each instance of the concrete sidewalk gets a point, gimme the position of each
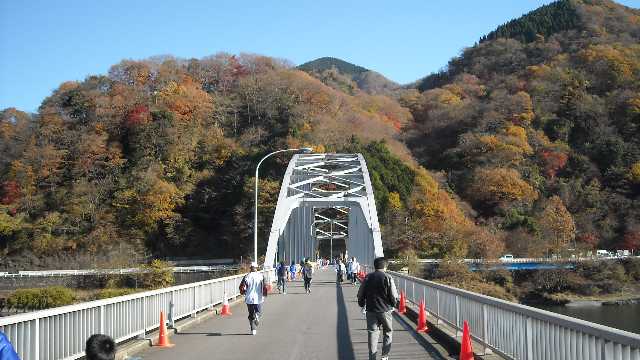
(326, 324)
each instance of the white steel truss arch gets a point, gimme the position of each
(321, 181)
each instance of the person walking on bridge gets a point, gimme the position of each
(293, 270)
(254, 291)
(355, 269)
(340, 270)
(282, 271)
(378, 293)
(307, 275)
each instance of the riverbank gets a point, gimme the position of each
(629, 294)
(605, 283)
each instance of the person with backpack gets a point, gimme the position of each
(282, 271)
(379, 295)
(307, 275)
(254, 289)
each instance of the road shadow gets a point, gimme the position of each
(345, 346)
(430, 349)
(212, 334)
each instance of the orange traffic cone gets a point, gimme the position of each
(163, 339)
(466, 352)
(225, 306)
(402, 308)
(422, 318)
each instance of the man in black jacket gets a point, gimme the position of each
(378, 293)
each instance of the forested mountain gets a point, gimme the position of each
(541, 134)
(349, 78)
(544, 21)
(529, 144)
(157, 156)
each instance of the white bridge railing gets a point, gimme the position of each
(177, 269)
(516, 331)
(61, 333)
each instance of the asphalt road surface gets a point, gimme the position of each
(326, 324)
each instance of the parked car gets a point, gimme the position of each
(506, 257)
(623, 253)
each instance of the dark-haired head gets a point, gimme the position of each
(380, 263)
(100, 347)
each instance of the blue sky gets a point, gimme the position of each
(43, 43)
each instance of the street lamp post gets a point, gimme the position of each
(255, 217)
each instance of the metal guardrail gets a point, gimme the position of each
(529, 260)
(517, 331)
(61, 333)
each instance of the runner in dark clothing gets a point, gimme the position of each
(282, 277)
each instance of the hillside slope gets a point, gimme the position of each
(542, 133)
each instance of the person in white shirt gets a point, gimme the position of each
(341, 270)
(355, 268)
(254, 283)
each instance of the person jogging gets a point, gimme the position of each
(292, 270)
(378, 293)
(307, 275)
(253, 284)
(282, 271)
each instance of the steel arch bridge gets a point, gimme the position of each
(325, 197)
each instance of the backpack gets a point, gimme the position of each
(282, 271)
(243, 286)
(308, 271)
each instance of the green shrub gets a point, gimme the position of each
(109, 293)
(157, 274)
(607, 277)
(38, 299)
(632, 268)
(550, 281)
(499, 277)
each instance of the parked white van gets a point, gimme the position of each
(506, 257)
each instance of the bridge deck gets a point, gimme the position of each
(326, 324)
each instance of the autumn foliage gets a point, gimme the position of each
(526, 142)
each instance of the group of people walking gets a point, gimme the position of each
(350, 269)
(286, 273)
(377, 296)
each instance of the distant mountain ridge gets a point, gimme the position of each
(348, 77)
(326, 63)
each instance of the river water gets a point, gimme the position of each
(624, 317)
